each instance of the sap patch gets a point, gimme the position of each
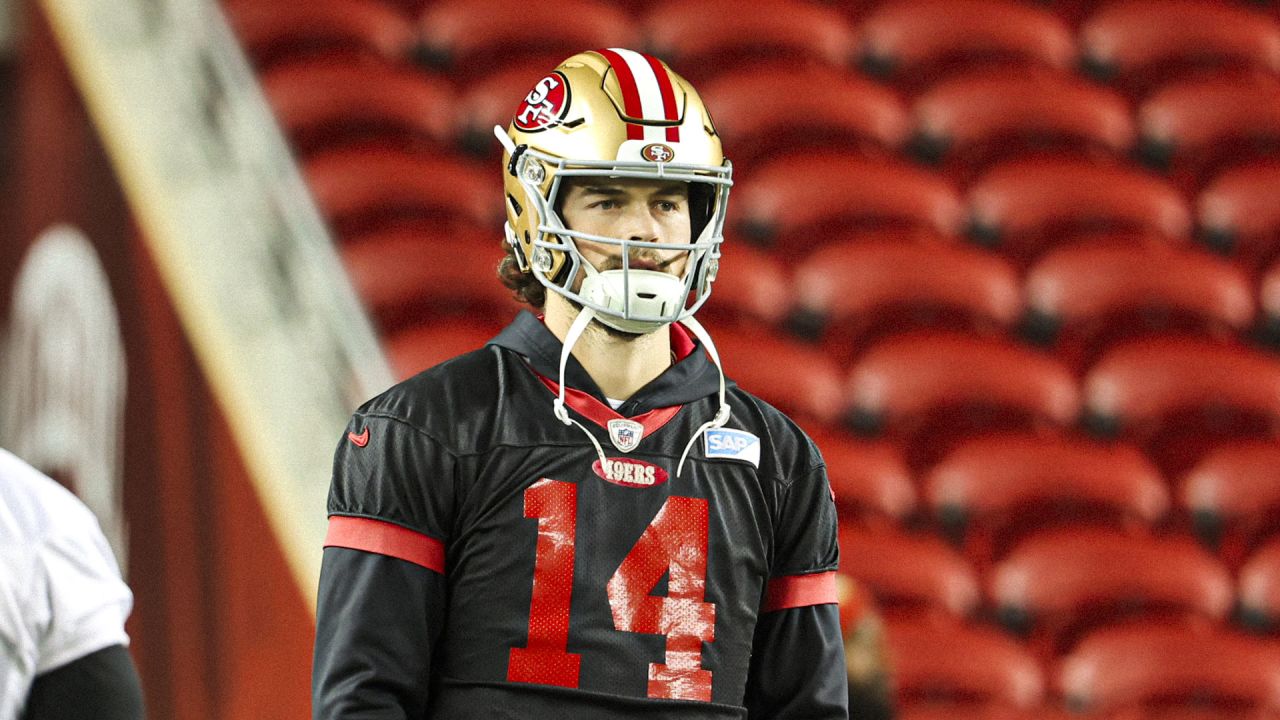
(732, 445)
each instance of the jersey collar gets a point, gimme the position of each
(691, 378)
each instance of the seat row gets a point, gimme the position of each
(945, 668)
(1135, 44)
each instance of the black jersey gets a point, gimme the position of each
(483, 562)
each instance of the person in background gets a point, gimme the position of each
(866, 654)
(63, 607)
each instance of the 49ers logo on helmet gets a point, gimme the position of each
(545, 105)
(657, 152)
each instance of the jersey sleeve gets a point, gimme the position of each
(800, 615)
(805, 553)
(382, 594)
(392, 492)
(86, 603)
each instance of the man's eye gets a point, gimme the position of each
(606, 204)
(668, 206)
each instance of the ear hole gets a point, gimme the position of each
(515, 205)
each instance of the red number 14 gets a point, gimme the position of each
(675, 544)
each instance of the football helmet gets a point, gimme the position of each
(621, 114)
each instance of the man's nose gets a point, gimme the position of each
(640, 224)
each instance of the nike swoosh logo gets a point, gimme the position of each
(360, 440)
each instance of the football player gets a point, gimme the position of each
(62, 607)
(585, 519)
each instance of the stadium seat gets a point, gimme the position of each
(751, 288)
(415, 349)
(1178, 397)
(1087, 296)
(325, 104)
(798, 202)
(1144, 664)
(1139, 44)
(908, 574)
(1260, 587)
(410, 277)
(972, 121)
(870, 479)
(931, 390)
(356, 30)
(1233, 495)
(940, 658)
(1196, 129)
(471, 38)
(851, 294)
(1059, 583)
(1024, 206)
(752, 356)
(683, 33)
(913, 43)
(1238, 214)
(992, 491)
(768, 111)
(360, 191)
(994, 710)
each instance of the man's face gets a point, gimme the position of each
(629, 209)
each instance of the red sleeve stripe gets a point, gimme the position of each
(795, 591)
(384, 538)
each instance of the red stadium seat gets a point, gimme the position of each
(916, 42)
(1197, 128)
(1023, 206)
(1189, 711)
(1059, 583)
(1239, 216)
(941, 659)
(1233, 494)
(1260, 586)
(994, 490)
(472, 37)
(416, 349)
(970, 122)
(1178, 397)
(363, 30)
(765, 112)
(851, 294)
(697, 35)
(927, 710)
(751, 288)
(753, 357)
(326, 104)
(1139, 44)
(363, 190)
(1087, 296)
(408, 277)
(1155, 664)
(870, 480)
(797, 202)
(908, 573)
(933, 390)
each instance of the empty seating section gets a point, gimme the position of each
(915, 43)
(1014, 265)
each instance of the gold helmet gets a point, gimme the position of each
(621, 114)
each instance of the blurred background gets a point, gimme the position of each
(1012, 263)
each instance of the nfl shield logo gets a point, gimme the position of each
(625, 434)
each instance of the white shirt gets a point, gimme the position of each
(61, 596)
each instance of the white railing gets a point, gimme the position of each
(243, 252)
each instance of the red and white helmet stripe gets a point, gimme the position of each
(647, 93)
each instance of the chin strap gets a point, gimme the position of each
(722, 414)
(570, 339)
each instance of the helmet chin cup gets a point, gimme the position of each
(621, 294)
